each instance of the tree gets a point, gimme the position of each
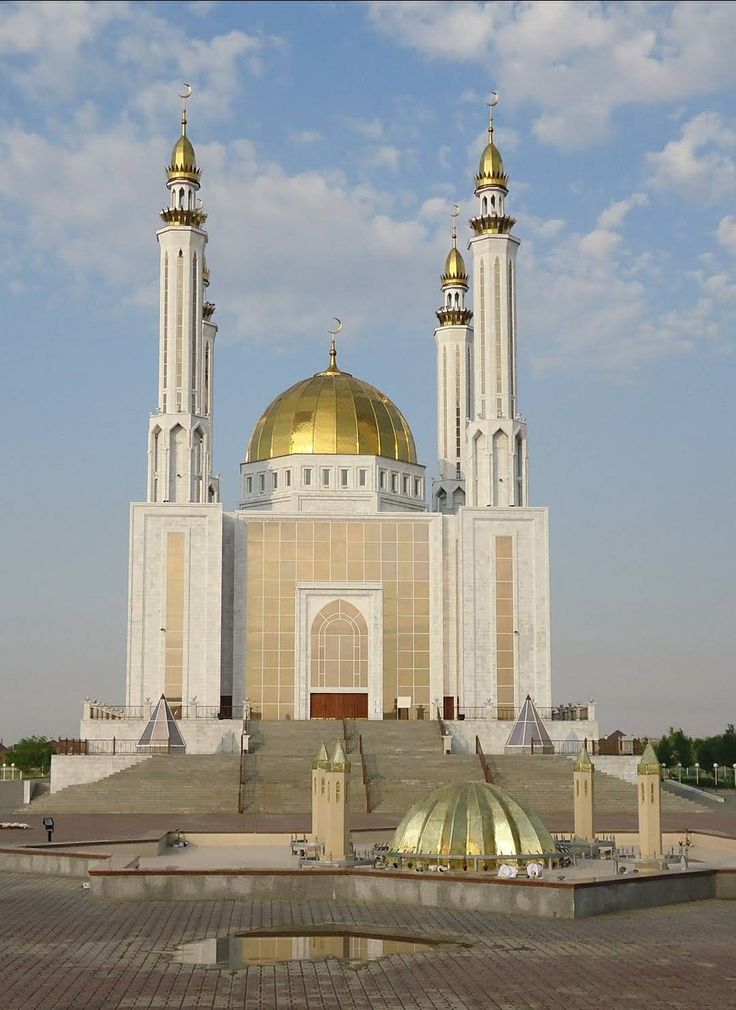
(32, 753)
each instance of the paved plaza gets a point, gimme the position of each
(63, 949)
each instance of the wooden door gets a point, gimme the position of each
(448, 707)
(338, 706)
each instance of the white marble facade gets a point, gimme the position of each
(452, 603)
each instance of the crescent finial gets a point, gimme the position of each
(184, 96)
(333, 346)
(492, 102)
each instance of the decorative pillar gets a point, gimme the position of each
(582, 775)
(319, 765)
(332, 803)
(649, 786)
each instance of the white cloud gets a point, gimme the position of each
(306, 136)
(726, 232)
(700, 163)
(370, 128)
(591, 301)
(385, 156)
(577, 62)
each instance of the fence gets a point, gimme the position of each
(508, 713)
(712, 777)
(112, 746)
(120, 712)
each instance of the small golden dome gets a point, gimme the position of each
(473, 819)
(332, 412)
(455, 272)
(490, 170)
(183, 160)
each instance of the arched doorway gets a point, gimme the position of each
(338, 675)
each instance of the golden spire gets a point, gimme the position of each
(490, 170)
(455, 273)
(183, 159)
(333, 346)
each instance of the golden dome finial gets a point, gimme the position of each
(455, 273)
(491, 171)
(333, 345)
(183, 159)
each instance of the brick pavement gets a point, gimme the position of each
(63, 949)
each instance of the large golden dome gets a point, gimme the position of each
(332, 412)
(473, 819)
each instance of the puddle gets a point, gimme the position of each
(236, 952)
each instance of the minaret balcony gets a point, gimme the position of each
(454, 317)
(183, 217)
(492, 224)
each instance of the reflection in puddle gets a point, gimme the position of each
(243, 951)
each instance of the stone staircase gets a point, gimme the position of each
(181, 783)
(278, 771)
(404, 762)
(545, 783)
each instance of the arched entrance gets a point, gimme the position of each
(338, 675)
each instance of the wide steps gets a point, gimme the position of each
(190, 783)
(544, 782)
(278, 771)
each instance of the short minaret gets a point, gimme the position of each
(454, 340)
(582, 775)
(497, 454)
(319, 767)
(330, 821)
(649, 787)
(180, 431)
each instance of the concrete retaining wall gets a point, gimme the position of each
(544, 899)
(45, 861)
(202, 736)
(76, 769)
(621, 766)
(494, 734)
(15, 793)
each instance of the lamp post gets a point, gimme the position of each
(679, 771)
(715, 773)
(697, 773)
(734, 775)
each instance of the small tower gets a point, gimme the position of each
(649, 787)
(330, 823)
(319, 766)
(180, 430)
(497, 454)
(582, 776)
(454, 340)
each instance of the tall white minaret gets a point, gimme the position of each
(497, 453)
(454, 340)
(180, 431)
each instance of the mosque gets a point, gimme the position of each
(335, 590)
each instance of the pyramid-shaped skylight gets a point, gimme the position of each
(529, 735)
(162, 732)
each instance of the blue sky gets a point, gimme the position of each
(335, 138)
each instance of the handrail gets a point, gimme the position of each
(440, 720)
(484, 763)
(241, 777)
(365, 773)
